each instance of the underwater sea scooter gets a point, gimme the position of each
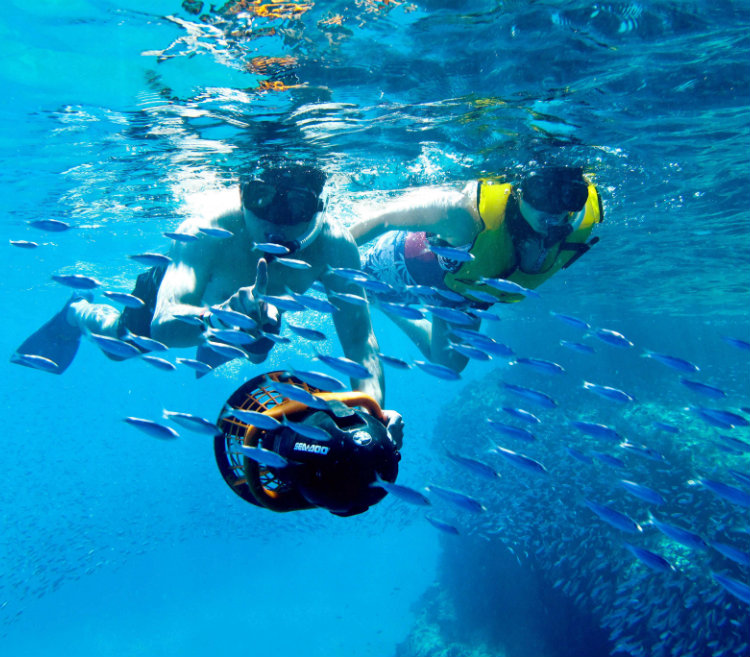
(287, 455)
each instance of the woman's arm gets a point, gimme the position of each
(449, 213)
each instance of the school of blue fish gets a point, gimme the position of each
(653, 518)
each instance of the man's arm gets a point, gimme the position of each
(181, 292)
(352, 322)
(448, 212)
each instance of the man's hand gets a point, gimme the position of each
(395, 427)
(247, 300)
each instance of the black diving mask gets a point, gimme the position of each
(280, 204)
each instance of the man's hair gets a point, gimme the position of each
(555, 189)
(286, 175)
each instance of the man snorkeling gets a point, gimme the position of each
(276, 236)
(475, 244)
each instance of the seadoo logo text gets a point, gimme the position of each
(314, 449)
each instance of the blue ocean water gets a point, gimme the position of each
(119, 114)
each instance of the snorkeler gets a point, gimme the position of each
(484, 242)
(274, 238)
(286, 455)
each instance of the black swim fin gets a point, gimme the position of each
(56, 341)
(209, 357)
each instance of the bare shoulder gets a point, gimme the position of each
(337, 246)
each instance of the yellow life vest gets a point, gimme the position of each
(494, 251)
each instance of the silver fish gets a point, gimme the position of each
(125, 299)
(197, 365)
(609, 459)
(480, 295)
(233, 318)
(736, 342)
(231, 336)
(51, 225)
(264, 456)
(152, 428)
(349, 274)
(521, 461)
(613, 338)
(613, 394)
(739, 445)
(480, 313)
(219, 233)
(730, 552)
(742, 477)
(450, 295)
(509, 287)
(190, 320)
(307, 333)
(703, 389)
(254, 418)
(614, 518)
(669, 428)
(298, 394)
(451, 315)
(682, 536)
(541, 366)
(580, 456)
(37, 362)
(24, 244)
(577, 346)
(451, 253)
(457, 499)
(394, 362)
(115, 347)
(345, 297)
(440, 371)
(378, 287)
(293, 263)
(650, 559)
(539, 398)
(151, 259)
(314, 303)
(643, 450)
(76, 281)
(273, 337)
(481, 341)
(405, 493)
(442, 525)
(271, 248)
(726, 492)
(738, 589)
(643, 492)
(513, 432)
(521, 414)
(679, 364)
(319, 380)
(473, 465)
(597, 430)
(721, 418)
(284, 302)
(469, 351)
(345, 366)
(192, 422)
(226, 350)
(401, 310)
(307, 430)
(181, 237)
(159, 363)
(571, 321)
